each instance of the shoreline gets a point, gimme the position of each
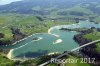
(25, 38)
(35, 34)
(24, 58)
(49, 32)
(9, 55)
(52, 53)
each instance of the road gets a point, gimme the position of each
(87, 44)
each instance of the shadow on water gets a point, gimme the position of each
(33, 54)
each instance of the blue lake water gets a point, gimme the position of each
(30, 48)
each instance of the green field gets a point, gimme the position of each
(28, 24)
(5, 61)
(94, 36)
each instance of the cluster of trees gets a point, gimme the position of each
(91, 52)
(79, 38)
(4, 43)
(88, 51)
(84, 31)
(98, 29)
(67, 19)
(1, 35)
(17, 34)
(40, 18)
(63, 13)
(76, 13)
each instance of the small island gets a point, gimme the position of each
(57, 41)
(37, 38)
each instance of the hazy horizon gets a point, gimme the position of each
(3, 2)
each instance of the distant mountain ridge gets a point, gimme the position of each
(25, 6)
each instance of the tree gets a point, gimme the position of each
(1, 35)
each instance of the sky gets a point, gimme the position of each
(3, 2)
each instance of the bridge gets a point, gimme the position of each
(87, 44)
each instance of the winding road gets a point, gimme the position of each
(87, 44)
